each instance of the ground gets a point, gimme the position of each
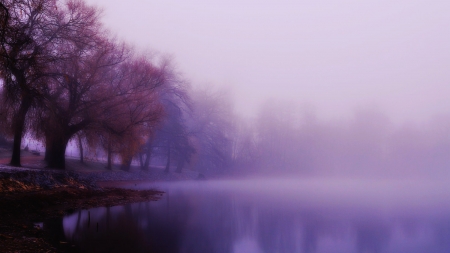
(19, 211)
(33, 194)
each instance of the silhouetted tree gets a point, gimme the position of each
(76, 100)
(47, 48)
(80, 144)
(132, 114)
(56, 55)
(28, 29)
(4, 20)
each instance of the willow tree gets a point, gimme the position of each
(28, 30)
(33, 43)
(75, 84)
(134, 110)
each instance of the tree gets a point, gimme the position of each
(76, 77)
(34, 42)
(118, 104)
(27, 29)
(133, 112)
(4, 19)
(212, 129)
(76, 97)
(244, 152)
(80, 145)
(171, 138)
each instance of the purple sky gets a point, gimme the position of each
(336, 56)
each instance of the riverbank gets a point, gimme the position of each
(24, 214)
(32, 196)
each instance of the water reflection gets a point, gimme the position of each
(270, 217)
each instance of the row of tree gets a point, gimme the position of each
(64, 77)
(285, 138)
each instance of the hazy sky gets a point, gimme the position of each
(337, 56)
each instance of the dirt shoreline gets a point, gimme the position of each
(31, 196)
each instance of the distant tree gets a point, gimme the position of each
(244, 145)
(171, 138)
(271, 124)
(278, 136)
(212, 129)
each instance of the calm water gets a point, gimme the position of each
(252, 216)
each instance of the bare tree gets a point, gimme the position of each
(76, 97)
(34, 41)
(212, 129)
(244, 146)
(27, 28)
(134, 110)
(171, 139)
(4, 19)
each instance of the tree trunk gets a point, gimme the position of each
(167, 170)
(180, 164)
(148, 155)
(19, 125)
(56, 152)
(141, 162)
(126, 164)
(47, 143)
(108, 165)
(80, 145)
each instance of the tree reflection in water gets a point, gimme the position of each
(216, 220)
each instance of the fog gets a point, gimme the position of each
(285, 139)
(368, 143)
(322, 88)
(336, 56)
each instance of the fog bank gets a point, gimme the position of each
(369, 143)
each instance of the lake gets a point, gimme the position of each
(272, 215)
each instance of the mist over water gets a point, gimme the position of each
(296, 183)
(299, 184)
(275, 215)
